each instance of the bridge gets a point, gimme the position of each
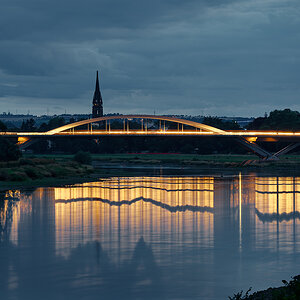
(183, 128)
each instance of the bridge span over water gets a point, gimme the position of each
(183, 128)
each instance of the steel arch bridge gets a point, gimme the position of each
(142, 117)
(184, 128)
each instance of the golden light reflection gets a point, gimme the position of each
(134, 207)
(277, 194)
(277, 210)
(14, 205)
(118, 211)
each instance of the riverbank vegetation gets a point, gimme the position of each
(29, 169)
(197, 162)
(290, 291)
(277, 120)
(288, 162)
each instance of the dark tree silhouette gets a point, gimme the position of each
(219, 123)
(28, 125)
(8, 150)
(277, 120)
(2, 126)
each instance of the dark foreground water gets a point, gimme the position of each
(202, 237)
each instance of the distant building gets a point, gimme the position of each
(97, 110)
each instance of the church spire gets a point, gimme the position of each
(97, 89)
(97, 110)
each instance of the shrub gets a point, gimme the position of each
(83, 158)
(241, 295)
(26, 161)
(18, 176)
(43, 161)
(31, 172)
(57, 170)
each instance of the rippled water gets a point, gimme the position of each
(202, 237)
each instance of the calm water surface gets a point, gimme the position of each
(198, 237)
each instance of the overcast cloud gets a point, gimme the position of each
(217, 57)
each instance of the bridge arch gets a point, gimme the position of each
(150, 117)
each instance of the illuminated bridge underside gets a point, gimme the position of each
(247, 138)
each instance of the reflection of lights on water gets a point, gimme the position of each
(118, 208)
(15, 204)
(75, 220)
(13, 194)
(277, 195)
(277, 209)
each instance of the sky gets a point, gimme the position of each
(194, 57)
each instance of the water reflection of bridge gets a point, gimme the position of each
(277, 196)
(176, 208)
(160, 208)
(93, 232)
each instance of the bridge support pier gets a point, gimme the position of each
(259, 151)
(287, 149)
(264, 154)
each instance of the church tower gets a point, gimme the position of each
(97, 101)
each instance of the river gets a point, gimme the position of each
(160, 237)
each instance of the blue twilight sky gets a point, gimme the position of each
(217, 57)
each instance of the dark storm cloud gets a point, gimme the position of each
(69, 19)
(217, 57)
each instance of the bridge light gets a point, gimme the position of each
(22, 140)
(251, 139)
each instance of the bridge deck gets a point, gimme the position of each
(245, 133)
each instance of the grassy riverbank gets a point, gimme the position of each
(53, 170)
(187, 159)
(40, 171)
(234, 161)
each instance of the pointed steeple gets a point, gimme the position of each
(97, 110)
(97, 89)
